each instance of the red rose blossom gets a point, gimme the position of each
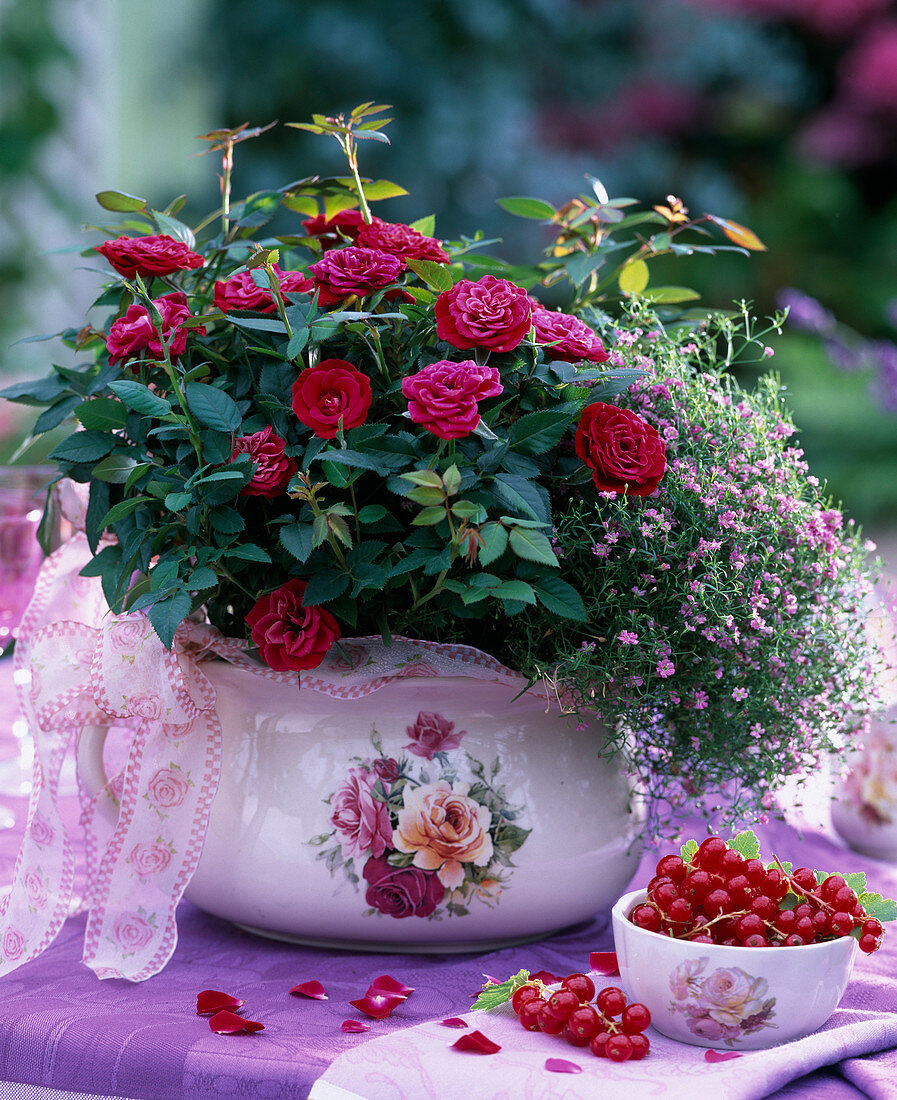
(135, 333)
(623, 451)
(401, 240)
(443, 396)
(240, 292)
(571, 339)
(291, 637)
(149, 256)
(332, 391)
(273, 469)
(490, 313)
(401, 891)
(352, 270)
(332, 232)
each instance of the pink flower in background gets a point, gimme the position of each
(488, 313)
(13, 944)
(443, 396)
(35, 889)
(148, 859)
(362, 823)
(401, 891)
(869, 71)
(131, 931)
(432, 733)
(168, 789)
(571, 340)
(273, 468)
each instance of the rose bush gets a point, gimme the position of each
(355, 428)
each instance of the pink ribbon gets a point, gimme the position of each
(76, 665)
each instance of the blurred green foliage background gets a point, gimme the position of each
(780, 114)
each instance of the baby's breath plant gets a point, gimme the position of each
(357, 429)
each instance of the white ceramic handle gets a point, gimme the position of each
(89, 755)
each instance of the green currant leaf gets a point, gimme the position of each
(747, 844)
(492, 995)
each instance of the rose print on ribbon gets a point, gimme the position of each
(131, 931)
(724, 1005)
(168, 788)
(431, 843)
(13, 944)
(34, 887)
(148, 859)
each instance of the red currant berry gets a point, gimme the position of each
(573, 1039)
(868, 944)
(723, 930)
(562, 1002)
(775, 885)
(530, 1014)
(764, 907)
(646, 916)
(672, 866)
(664, 896)
(522, 995)
(551, 1025)
(872, 926)
(618, 1048)
(755, 871)
(717, 902)
(803, 910)
(584, 1022)
(749, 925)
(786, 921)
(740, 891)
(831, 886)
(611, 1001)
(701, 937)
(696, 885)
(598, 1043)
(821, 923)
(732, 863)
(709, 855)
(657, 881)
(841, 924)
(804, 879)
(636, 1017)
(793, 941)
(581, 984)
(844, 899)
(756, 940)
(805, 929)
(680, 912)
(640, 1047)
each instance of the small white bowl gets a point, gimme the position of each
(729, 998)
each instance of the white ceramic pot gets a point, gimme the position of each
(435, 814)
(729, 998)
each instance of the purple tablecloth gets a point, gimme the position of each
(62, 1028)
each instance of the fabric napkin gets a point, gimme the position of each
(420, 1064)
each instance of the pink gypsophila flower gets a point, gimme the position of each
(571, 340)
(443, 396)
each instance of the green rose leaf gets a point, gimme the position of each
(213, 407)
(142, 400)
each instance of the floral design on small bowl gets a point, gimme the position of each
(722, 1006)
(429, 830)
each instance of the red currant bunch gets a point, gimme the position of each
(717, 895)
(609, 1026)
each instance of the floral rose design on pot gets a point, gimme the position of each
(722, 1006)
(425, 832)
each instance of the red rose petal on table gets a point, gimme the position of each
(386, 983)
(720, 1055)
(604, 962)
(454, 1021)
(477, 1042)
(229, 1023)
(311, 989)
(544, 976)
(561, 1065)
(354, 1027)
(213, 1000)
(377, 1004)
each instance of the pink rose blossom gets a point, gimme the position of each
(402, 241)
(13, 944)
(273, 468)
(359, 271)
(362, 823)
(443, 396)
(148, 859)
(131, 931)
(168, 789)
(432, 733)
(571, 340)
(135, 333)
(488, 313)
